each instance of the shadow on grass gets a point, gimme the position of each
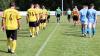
(3, 40)
(2, 51)
(23, 33)
(23, 36)
(71, 33)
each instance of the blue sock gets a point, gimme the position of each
(89, 31)
(85, 30)
(93, 31)
(82, 31)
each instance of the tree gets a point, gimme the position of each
(5, 4)
(50, 4)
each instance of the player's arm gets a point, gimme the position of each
(18, 18)
(3, 23)
(46, 14)
(40, 15)
(27, 18)
(78, 15)
(18, 23)
(96, 17)
(72, 13)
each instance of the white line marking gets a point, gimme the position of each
(46, 41)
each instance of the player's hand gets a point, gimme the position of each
(19, 28)
(3, 28)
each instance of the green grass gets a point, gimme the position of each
(65, 41)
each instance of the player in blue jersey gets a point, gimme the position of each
(92, 18)
(84, 20)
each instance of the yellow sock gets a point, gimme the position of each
(30, 30)
(45, 25)
(13, 45)
(33, 32)
(42, 25)
(37, 29)
(8, 44)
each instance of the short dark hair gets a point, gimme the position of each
(12, 4)
(91, 5)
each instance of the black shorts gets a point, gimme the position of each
(68, 16)
(11, 34)
(48, 17)
(75, 18)
(58, 15)
(43, 20)
(38, 23)
(32, 24)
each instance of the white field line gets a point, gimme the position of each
(46, 41)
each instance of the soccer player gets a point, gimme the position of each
(43, 17)
(68, 14)
(38, 16)
(48, 18)
(31, 19)
(92, 18)
(75, 14)
(10, 24)
(84, 20)
(58, 13)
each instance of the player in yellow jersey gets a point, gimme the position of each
(31, 19)
(44, 17)
(10, 24)
(38, 16)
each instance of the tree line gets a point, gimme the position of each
(23, 5)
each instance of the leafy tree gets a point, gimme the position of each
(5, 4)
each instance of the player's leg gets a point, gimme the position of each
(90, 29)
(59, 18)
(74, 20)
(44, 24)
(33, 29)
(30, 28)
(48, 18)
(68, 17)
(30, 31)
(40, 24)
(9, 40)
(37, 27)
(93, 29)
(83, 29)
(14, 38)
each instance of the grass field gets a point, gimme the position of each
(56, 40)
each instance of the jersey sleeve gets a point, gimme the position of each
(4, 14)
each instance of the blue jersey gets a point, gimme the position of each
(91, 15)
(83, 15)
